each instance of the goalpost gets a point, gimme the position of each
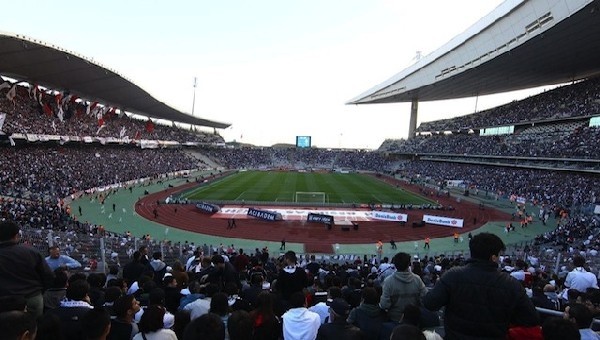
(310, 197)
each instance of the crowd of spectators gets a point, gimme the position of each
(579, 143)
(186, 290)
(305, 159)
(25, 115)
(573, 100)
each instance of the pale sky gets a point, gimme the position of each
(273, 69)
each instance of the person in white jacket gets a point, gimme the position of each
(298, 322)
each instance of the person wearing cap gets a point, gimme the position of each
(478, 293)
(298, 321)
(339, 328)
(401, 288)
(23, 270)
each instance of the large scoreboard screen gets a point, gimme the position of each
(303, 142)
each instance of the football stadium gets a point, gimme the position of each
(492, 214)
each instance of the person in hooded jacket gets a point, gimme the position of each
(401, 288)
(368, 316)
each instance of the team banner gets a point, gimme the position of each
(320, 218)
(264, 214)
(445, 221)
(388, 216)
(208, 208)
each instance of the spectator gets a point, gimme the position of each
(54, 295)
(18, 325)
(207, 327)
(152, 326)
(299, 322)
(96, 324)
(265, 325)
(579, 278)
(560, 329)
(339, 328)
(56, 260)
(478, 293)
(401, 288)
(582, 317)
(291, 278)
(368, 316)
(73, 309)
(123, 327)
(23, 270)
(239, 326)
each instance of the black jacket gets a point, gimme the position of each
(23, 270)
(339, 329)
(481, 302)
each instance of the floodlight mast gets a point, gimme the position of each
(194, 100)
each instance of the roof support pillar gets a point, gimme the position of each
(412, 125)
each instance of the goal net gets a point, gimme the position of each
(310, 197)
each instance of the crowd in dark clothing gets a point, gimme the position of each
(25, 115)
(573, 100)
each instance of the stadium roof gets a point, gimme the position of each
(521, 44)
(50, 66)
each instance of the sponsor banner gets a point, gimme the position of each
(208, 208)
(521, 200)
(445, 221)
(264, 214)
(320, 218)
(388, 216)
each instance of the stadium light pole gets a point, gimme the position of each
(194, 99)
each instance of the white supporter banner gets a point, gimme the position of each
(388, 216)
(597, 209)
(445, 221)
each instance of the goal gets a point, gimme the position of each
(310, 197)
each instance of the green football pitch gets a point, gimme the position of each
(296, 187)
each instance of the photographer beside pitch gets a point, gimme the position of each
(481, 301)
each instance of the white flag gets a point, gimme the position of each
(12, 93)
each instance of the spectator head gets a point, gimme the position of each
(208, 327)
(297, 300)
(125, 307)
(194, 287)
(339, 308)
(264, 302)
(579, 314)
(211, 290)
(411, 315)
(78, 291)
(369, 296)
(54, 252)
(152, 319)
(12, 302)
(560, 329)
(407, 332)
(219, 304)
(218, 261)
(8, 231)
(484, 246)
(239, 325)
(17, 325)
(137, 255)
(290, 258)
(401, 261)
(334, 292)
(96, 324)
(111, 294)
(578, 261)
(60, 278)
(169, 281)
(156, 297)
(157, 255)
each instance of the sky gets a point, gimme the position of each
(272, 69)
